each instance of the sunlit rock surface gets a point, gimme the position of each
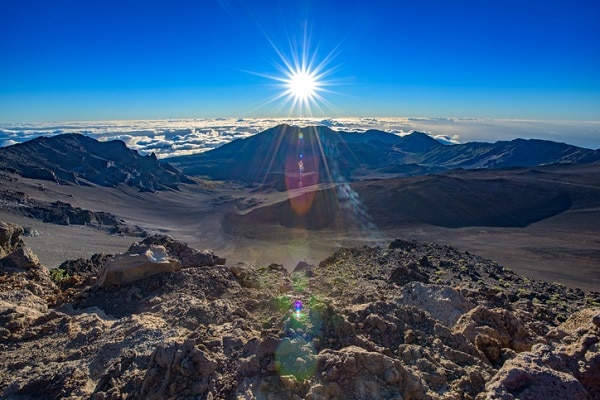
(348, 328)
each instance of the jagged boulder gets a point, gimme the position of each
(26, 289)
(187, 256)
(177, 370)
(246, 276)
(14, 318)
(353, 372)
(14, 255)
(155, 254)
(305, 268)
(19, 260)
(404, 274)
(442, 302)
(527, 377)
(567, 367)
(496, 332)
(138, 263)
(85, 267)
(10, 238)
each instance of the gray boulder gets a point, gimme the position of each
(186, 255)
(145, 261)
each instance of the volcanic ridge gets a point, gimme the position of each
(81, 160)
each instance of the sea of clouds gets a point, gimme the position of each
(167, 138)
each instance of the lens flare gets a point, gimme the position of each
(298, 308)
(301, 172)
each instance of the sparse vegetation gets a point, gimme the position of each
(282, 303)
(58, 275)
(592, 302)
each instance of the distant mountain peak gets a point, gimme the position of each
(417, 142)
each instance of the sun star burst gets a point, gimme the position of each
(302, 85)
(302, 79)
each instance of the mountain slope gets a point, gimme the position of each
(329, 156)
(497, 198)
(272, 155)
(453, 201)
(516, 153)
(81, 160)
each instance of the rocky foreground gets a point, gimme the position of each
(410, 321)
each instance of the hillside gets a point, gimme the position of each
(516, 153)
(81, 160)
(515, 197)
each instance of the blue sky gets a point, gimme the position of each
(92, 60)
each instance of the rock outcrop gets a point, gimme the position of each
(187, 256)
(61, 213)
(26, 290)
(568, 368)
(337, 330)
(154, 255)
(10, 238)
(133, 266)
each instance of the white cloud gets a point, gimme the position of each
(7, 142)
(179, 137)
(447, 139)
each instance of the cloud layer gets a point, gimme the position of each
(169, 138)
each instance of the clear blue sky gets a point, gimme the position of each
(86, 60)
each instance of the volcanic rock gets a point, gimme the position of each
(405, 274)
(501, 325)
(26, 290)
(442, 302)
(20, 259)
(14, 255)
(10, 238)
(258, 331)
(138, 263)
(154, 255)
(187, 256)
(568, 369)
(85, 267)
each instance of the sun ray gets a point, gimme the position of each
(303, 77)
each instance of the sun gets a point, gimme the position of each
(303, 81)
(303, 85)
(303, 78)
